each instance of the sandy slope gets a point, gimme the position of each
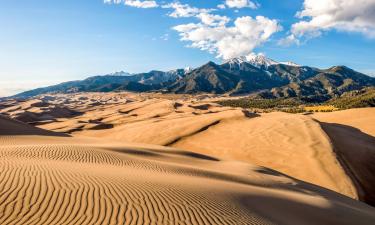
(352, 133)
(363, 119)
(65, 180)
(13, 127)
(293, 144)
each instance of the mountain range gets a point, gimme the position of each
(254, 74)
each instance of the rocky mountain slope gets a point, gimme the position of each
(152, 80)
(244, 75)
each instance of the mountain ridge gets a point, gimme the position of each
(238, 76)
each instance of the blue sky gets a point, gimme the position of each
(49, 41)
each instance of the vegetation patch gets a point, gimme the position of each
(320, 108)
(261, 103)
(353, 99)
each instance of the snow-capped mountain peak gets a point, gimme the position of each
(290, 64)
(260, 60)
(237, 60)
(188, 69)
(257, 60)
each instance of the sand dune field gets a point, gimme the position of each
(72, 180)
(139, 159)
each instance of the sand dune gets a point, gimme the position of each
(13, 127)
(71, 180)
(353, 135)
(363, 119)
(292, 144)
(300, 146)
(36, 111)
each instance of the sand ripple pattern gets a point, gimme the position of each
(73, 184)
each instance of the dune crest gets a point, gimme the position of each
(47, 181)
(293, 144)
(213, 179)
(352, 133)
(13, 127)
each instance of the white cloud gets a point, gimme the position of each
(213, 20)
(343, 15)
(221, 6)
(135, 3)
(214, 34)
(229, 41)
(289, 40)
(241, 4)
(184, 10)
(165, 37)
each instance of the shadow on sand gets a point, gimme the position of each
(10, 127)
(356, 152)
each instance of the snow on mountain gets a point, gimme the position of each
(290, 64)
(260, 60)
(257, 60)
(188, 69)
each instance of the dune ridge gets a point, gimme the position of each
(67, 180)
(14, 127)
(292, 144)
(103, 132)
(353, 138)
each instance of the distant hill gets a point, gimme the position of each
(122, 81)
(324, 85)
(244, 75)
(355, 99)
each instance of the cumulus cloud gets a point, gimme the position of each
(214, 33)
(135, 3)
(212, 19)
(241, 4)
(184, 10)
(289, 40)
(229, 41)
(221, 6)
(343, 15)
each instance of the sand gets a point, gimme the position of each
(362, 119)
(13, 127)
(352, 133)
(80, 180)
(292, 144)
(332, 150)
